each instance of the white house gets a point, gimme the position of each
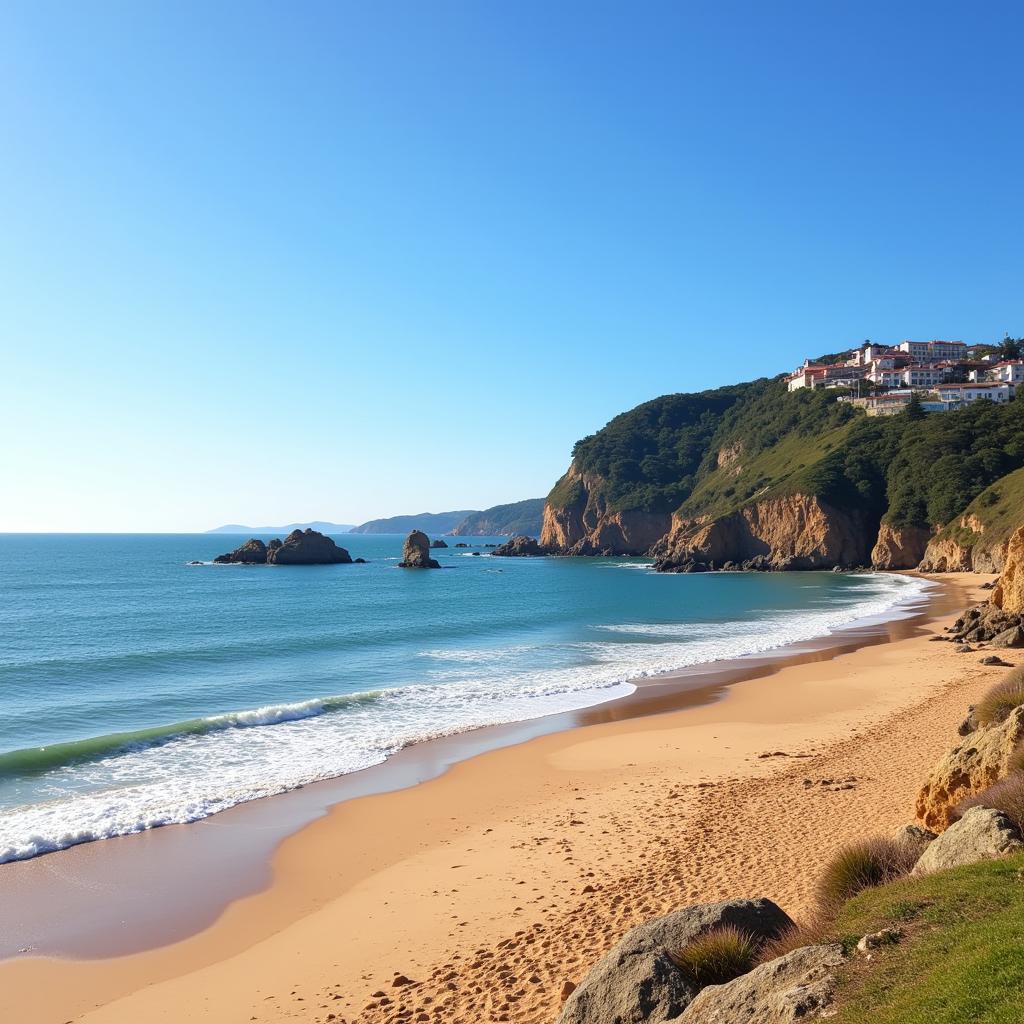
(1009, 372)
(961, 394)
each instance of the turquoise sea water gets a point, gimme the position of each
(138, 690)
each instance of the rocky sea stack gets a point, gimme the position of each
(518, 547)
(300, 547)
(416, 552)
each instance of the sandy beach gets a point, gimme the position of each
(490, 886)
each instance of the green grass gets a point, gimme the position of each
(998, 508)
(961, 960)
(772, 471)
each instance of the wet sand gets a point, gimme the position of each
(648, 807)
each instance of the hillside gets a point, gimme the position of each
(515, 519)
(318, 525)
(428, 522)
(755, 475)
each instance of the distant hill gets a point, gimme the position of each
(428, 522)
(514, 519)
(316, 525)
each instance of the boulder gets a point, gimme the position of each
(439, 543)
(518, 547)
(416, 552)
(1012, 637)
(981, 834)
(307, 547)
(983, 758)
(994, 659)
(639, 980)
(252, 552)
(914, 835)
(795, 987)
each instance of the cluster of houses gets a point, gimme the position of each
(945, 374)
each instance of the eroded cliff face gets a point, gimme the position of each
(969, 550)
(1009, 593)
(793, 532)
(587, 526)
(899, 548)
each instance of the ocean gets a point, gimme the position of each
(137, 690)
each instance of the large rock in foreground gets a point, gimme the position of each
(518, 547)
(252, 552)
(795, 987)
(307, 547)
(416, 552)
(982, 759)
(981, 834)
(639, 980)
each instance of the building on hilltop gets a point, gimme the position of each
(956, 395)
(934, 351)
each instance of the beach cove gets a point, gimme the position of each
(525, 863)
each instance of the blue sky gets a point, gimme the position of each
(264, 262)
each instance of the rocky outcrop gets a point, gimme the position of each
(981, 834)
(974, 765)
(438, 543)
(416, 552)
(966, 545)
(639, 980)
(794, 987)
(793, 532)
(300, 547)
(899, 547)
(307, 547)
(252, 552)
(518, 547)
(986, 622)
(1009, 592)
(584, 524)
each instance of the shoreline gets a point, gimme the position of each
(230, 853)
(315, 873)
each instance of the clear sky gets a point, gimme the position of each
(271, 262)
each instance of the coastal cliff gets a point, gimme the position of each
(793, 532)
(754, 476)
(586, 525)
(899, 547)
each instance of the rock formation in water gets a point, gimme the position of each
(300, 547)
(252, 552)
(586, 525)
(438, 543)
(416, 552)
(518, 547)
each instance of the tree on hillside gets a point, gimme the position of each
(1010, 348)
(915, 410)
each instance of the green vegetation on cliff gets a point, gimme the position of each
(711, 453)
(514, 519)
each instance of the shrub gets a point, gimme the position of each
(1016, 762)
(1006, 695)
(717, 956)
(1006, 795)
(863, 865)
(808, 932)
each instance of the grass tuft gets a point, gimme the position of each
(863, 865)
(717, 956)
(1006, 795)
(1006, 695)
